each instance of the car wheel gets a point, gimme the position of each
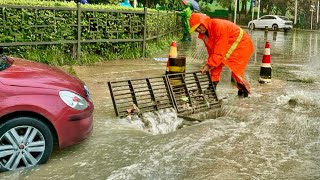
(252, 26)
(24, 142)
(275, 27)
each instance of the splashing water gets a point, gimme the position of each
(158, 122)
(162, 122)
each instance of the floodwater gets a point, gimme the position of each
(273, 134)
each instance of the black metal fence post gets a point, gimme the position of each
(158, 17)
(144, 33)
(137, 24)
(79, 31)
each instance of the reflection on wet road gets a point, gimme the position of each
(273, 134)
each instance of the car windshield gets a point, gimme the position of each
(4, 62)
(284, 18)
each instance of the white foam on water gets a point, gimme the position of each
(162, 121)
(300, 97)
(158, 122)
(160, 59)
(283, 99)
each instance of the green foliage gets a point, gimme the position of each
(55, 55)
(39, 3)
(156, 46)
(56, 25)
(165, 4)
(160, 23)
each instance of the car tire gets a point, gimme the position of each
(24, 142)
(252, 26)
(275, 27)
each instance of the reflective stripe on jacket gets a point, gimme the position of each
(226, 43)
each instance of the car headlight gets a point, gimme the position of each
(73, 100)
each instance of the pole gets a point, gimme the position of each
(312, 8)
(311, 19)
(295, 12)
(252, 8)
(318, 13)
(235, 11)
(258, 16)
(79, 31)
(144, 33)
(252, 13)
(135, 3)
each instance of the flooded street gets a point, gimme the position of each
(273, 134)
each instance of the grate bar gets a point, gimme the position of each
(187, 93)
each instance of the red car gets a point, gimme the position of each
(40, 107)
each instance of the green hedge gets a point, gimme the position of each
(27, 25)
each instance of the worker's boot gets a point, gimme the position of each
(242, 90)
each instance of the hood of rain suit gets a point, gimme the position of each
(196, 19)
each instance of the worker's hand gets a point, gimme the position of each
(206, 68)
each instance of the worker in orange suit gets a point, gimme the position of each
(227, 45)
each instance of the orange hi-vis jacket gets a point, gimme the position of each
(227, 44)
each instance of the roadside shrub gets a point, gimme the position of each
(106, 31)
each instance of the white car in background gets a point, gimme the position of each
(274, 22)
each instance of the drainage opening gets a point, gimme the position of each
(191, 96)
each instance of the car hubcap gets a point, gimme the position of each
(22, 146)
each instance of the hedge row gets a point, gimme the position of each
(47, 21)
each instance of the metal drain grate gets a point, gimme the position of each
(188, 93)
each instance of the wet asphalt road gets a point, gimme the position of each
(273, 134)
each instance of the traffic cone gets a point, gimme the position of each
(265, 70)
(172, 54)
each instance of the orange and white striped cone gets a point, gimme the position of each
(265, 70)
(172, 54)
